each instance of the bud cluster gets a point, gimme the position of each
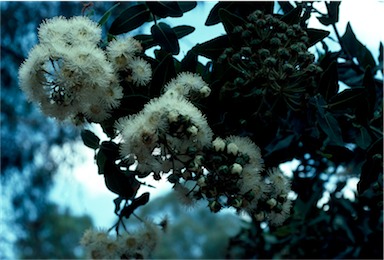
(274, 58)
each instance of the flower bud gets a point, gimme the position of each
(192, 130)
(173, 116)
(205, 91)
(272, 203)
(201, 182)
(260, 216)
(218, 144)
(236, 168)
(232, 149)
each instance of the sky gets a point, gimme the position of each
(84, 191)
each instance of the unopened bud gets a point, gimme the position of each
(205, 91)
(232, 149)
(236, 168)
(260, 216)
(272, 203)
(218, 144)
(192, 130)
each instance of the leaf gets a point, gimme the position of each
(187, 6)
(332, 16)
(130, 19)
(285, 6)
(212, 49)
(280, 144)
(230, 21)
(329, 85)
(363, 139)
(166, 37)
(293, 17)
(107, 14)
(315, 35)
(140, 201)
(370, 86)
(162, 74)
(117, 202)
(90, 139)
(381, 53)
(346, 99)
(165, 9)
(183, 30)
(356, 49)
(213, 17)
(330, 126)
(146, 40)
(189, 63)
(372, 167)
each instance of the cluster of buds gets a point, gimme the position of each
(230, 174)
(274, 59)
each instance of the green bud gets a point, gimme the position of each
(246, 34)
(223, 169)
(275, 41)
(264, 53)
(238, 29)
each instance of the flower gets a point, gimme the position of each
(141, 71)
(78, 30)
(122, 50)
(188, 85)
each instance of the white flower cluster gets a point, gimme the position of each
(70, 77)
(188, 85)
(167, 128)
(137, 245)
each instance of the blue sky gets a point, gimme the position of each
(83, 190)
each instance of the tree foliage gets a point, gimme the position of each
(265, 87)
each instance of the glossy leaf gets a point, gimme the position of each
(346, 99)
(329, 85)
(316, 35)
(166, 37)
(356, 49)
(165, 9)
(285, 6)
(212, 49)
(187, 6)
(90, 139)
(140, 201)
(363, 139)
(213, 17)
(293, 17)
(330, 126)
(189, 63)
(183, 30)
(107, 14)
(332, 16)
(162, 74)
(146, 40)
(230, 21)
(280, 144)
(130, 19)
(370, 86)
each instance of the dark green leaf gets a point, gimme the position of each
(339, 154)
(166, 37)
(90, 139)
(356, 49)
(372, 167)
(212, 49)
(293, 17)
(187, 6)
(162, 74)
(165, 9)
(230, 21)
(107, 14)
(315, 35)
(189, 63)
(130, 19)
(329, 85)
(370, 86)
(280, 144)
(346, 99)
(146, 40)
(286, 6)
(101, 160)
(117, 202)
(381, 53)
(213, 17)
(333, 13)
(140, 201)
(330, 126)
(363, 139)
(183, 30)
